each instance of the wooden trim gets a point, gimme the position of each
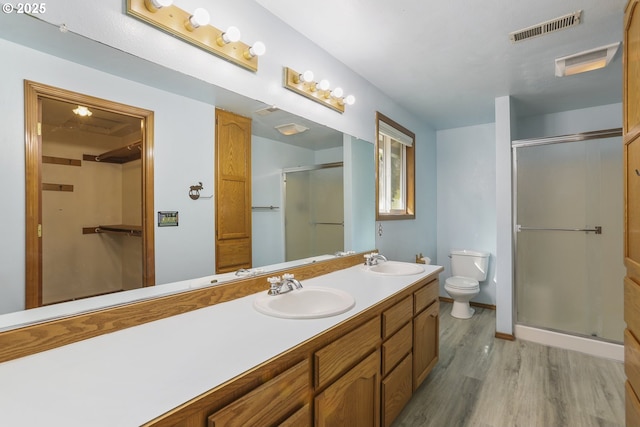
(410, 172)
(471, 303)
(33, 197)
(61, 161)
(33, 92)
(32, 339)
(503, 336)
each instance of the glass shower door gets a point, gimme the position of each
(314, 211)
(569, 237)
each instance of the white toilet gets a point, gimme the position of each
(469, 268)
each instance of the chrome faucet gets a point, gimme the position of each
(280, 286)
(373, 258)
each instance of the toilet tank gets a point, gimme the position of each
(472, 264)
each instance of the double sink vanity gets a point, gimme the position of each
(348, 348)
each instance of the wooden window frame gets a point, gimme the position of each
(409, 211)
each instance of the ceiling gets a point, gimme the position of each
(58, 115)
(446, 61)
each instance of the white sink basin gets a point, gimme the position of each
(307, 303)
(395, 268)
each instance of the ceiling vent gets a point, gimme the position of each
(546, 27)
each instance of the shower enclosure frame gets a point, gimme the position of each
(579, 344)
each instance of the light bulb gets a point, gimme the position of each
(350, 100)
(258, 49)
(232, 35)
(337, 92)
(199, 18)
(324, 84)
(307, 76)
(155, 5)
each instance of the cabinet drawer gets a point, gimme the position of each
(269, 403)
(632, 406)
(396, 347)
(345, 352)
(423, 297)
(301, 418)
(395, 317)
(396, 391)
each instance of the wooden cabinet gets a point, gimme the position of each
(352, 400)
(631, 136)
(395, 388)
(271, 403)
(233, 191)
(335, 358)
(426, 332)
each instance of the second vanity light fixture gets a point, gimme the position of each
(303, 84)
(194, 28)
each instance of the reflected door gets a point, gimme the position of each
(569, 237)
(314, 212)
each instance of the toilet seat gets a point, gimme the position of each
(462, 283)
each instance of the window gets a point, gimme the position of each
(395, 170)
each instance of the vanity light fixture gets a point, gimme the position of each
(303, 84)
(82, 111)
(193, 27)
(588, 60)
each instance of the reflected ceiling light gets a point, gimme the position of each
(200, 18)
(232, 35)
(155, 5)
(291, 129)
(321, 92)
(258, 49)
(588, 60)
(82, 111)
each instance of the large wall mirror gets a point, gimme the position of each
(278, 159)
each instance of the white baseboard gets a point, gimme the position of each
(597, 348)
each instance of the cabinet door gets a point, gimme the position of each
(426, 328)
(354, 399)
(233, 191)
(396, 391)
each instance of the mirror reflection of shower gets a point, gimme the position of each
(314, 210)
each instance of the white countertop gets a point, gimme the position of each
(129, 377)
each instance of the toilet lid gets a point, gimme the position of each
(459, 282)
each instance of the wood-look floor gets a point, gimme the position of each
(483, 381)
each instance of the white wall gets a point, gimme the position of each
(466, 200)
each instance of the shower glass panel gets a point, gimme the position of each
(568, 272)
(314, 212)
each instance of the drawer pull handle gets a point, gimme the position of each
(637, 172)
